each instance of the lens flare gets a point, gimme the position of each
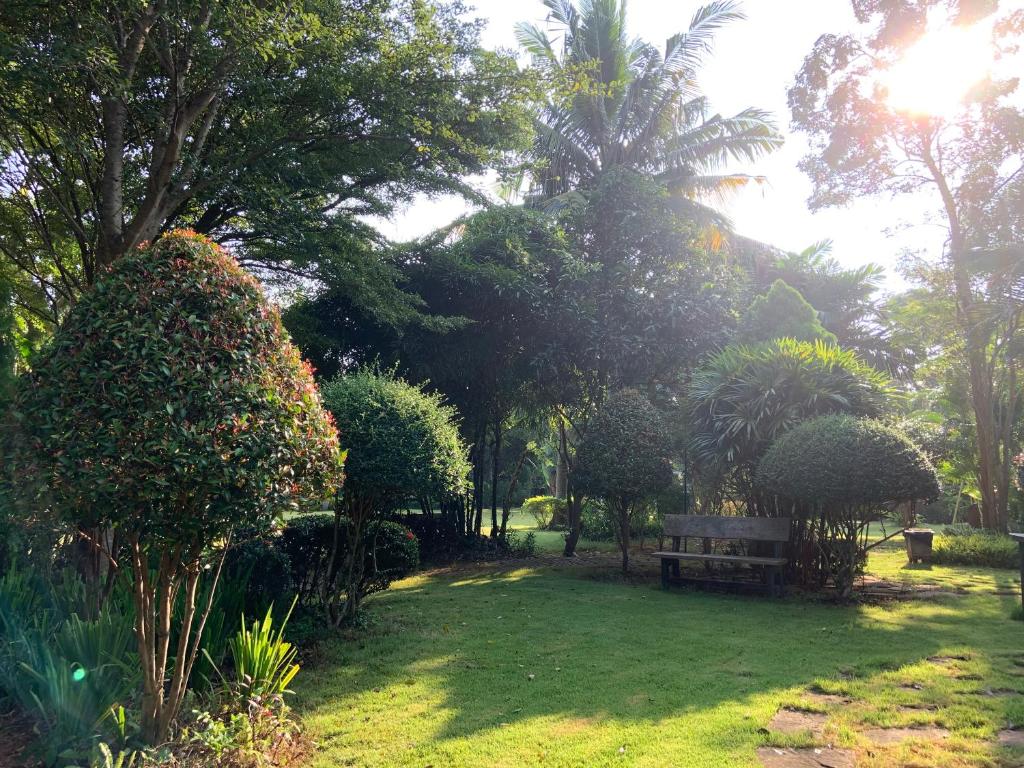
(936, 73)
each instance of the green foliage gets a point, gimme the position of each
(264, 663)
(390, 552)
(782, 313)
(842, 460)
(982, 548)
(172, 405)
(624, 456)
(544, 509)
(293, 121)
(403, 441)
(70, 674)
(623, 459)
(622, 102)
(747, 396)
(8, 352)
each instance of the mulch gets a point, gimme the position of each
(17, 740)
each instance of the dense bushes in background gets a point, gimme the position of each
(544, 509)
(747, 396)
(975, 547)
(169, 409)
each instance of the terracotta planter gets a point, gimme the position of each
(919, 544)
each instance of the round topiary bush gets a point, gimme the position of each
(623, 459)
(170, 408)
(842, 460)
(838, 473)
(402, 442)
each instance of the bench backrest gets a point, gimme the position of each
(728, 527)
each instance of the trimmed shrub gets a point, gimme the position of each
(983, 548)
(838, 473)
(544, 509)
(169, 409)
(623, 460)
(403, 442)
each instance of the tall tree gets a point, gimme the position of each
(635, 106)
(863, 144)
(271, 126)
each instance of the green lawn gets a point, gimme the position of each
(553, 541)
(535, 667)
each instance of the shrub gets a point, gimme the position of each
(983, 548)
(264, 662)
(544, 509)
(66, 672)
(404, 442)
(390, 552)
(623, 460)
(169, 409)
(747, 396)
(838, 473)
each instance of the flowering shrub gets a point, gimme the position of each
(170, 408)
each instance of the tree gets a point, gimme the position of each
(169, 409)
(7, 348)
(746, 397)
(863, 145)
(631, 106)
(403, 443)
(623, 460)
(272, 126)
(840, 473)
(493, 296)
(782, 313)
(649, 303)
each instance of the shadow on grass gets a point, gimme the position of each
(469, 654)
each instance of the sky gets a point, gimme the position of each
(753, 64)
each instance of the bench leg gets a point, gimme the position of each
(664, 573)
(675, 569)
(776, 582)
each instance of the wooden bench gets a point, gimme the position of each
(681, 528)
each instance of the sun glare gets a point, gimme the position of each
(935, 74)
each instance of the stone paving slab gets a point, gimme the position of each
(793, 721)
(823, 757)
(884, 737)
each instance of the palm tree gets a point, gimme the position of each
(634, 106)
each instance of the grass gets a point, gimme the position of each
(553, 541)
(569, 668)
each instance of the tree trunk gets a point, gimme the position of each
(623, 515)
(495, 472)
(976, 341)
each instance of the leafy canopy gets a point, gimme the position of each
(274, 126)
(402, 440)
(629, 104)
(171, 403)
(747, 396)
(844, 460)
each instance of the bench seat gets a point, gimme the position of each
(763, 530)
(775, 561)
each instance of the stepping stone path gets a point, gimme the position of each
(794, 721)
(1013, 738)
(773, 757)
(826, 699)
(884, 737)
